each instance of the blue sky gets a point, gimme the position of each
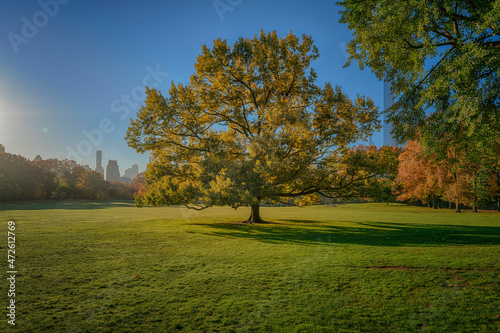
(72, 73)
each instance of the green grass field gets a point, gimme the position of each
(111, 267)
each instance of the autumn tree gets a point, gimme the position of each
(70, 178)
(19, 178)
(471, 178)
(94, 186)
(139, 184)
(251, 126)
(421, 176)
(49, 170)
(459, 190)
(441, 56)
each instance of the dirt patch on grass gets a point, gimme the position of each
(400, 268)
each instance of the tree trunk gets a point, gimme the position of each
(498, 203)
(254, 215)
(458, 207)
(474, 208)
(434, 202)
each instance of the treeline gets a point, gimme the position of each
(416, 176)
(409, 175)
(22, 179)
(452, 180)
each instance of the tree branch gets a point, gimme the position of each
(249, 88)
(454, 16)
(411, 46)
(306, 191)
(197, 207)
(185, 147)
(245, 115)
(493, 44)
(426, 76)
(470, 4)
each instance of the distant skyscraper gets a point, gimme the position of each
(112, 170)
(128, 173)
(388, 102)
(135, 170)
(98, 162)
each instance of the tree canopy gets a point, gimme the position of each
(442, 57)
(252, 126)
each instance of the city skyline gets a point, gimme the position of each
(129, 173)
(113, 169)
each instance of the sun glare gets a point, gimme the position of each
(3, 125)
(8, 128)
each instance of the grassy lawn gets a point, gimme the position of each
(111, 267)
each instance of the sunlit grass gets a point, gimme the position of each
(111, 267)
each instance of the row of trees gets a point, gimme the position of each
(22, 179)
(427, 178)
(252, 127)
(384, 174)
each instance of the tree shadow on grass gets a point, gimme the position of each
(65, 204)
(360, 233)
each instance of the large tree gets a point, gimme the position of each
(442, 57)
(252, 126)
(19, 178)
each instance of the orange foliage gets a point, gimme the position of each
(420, 176)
